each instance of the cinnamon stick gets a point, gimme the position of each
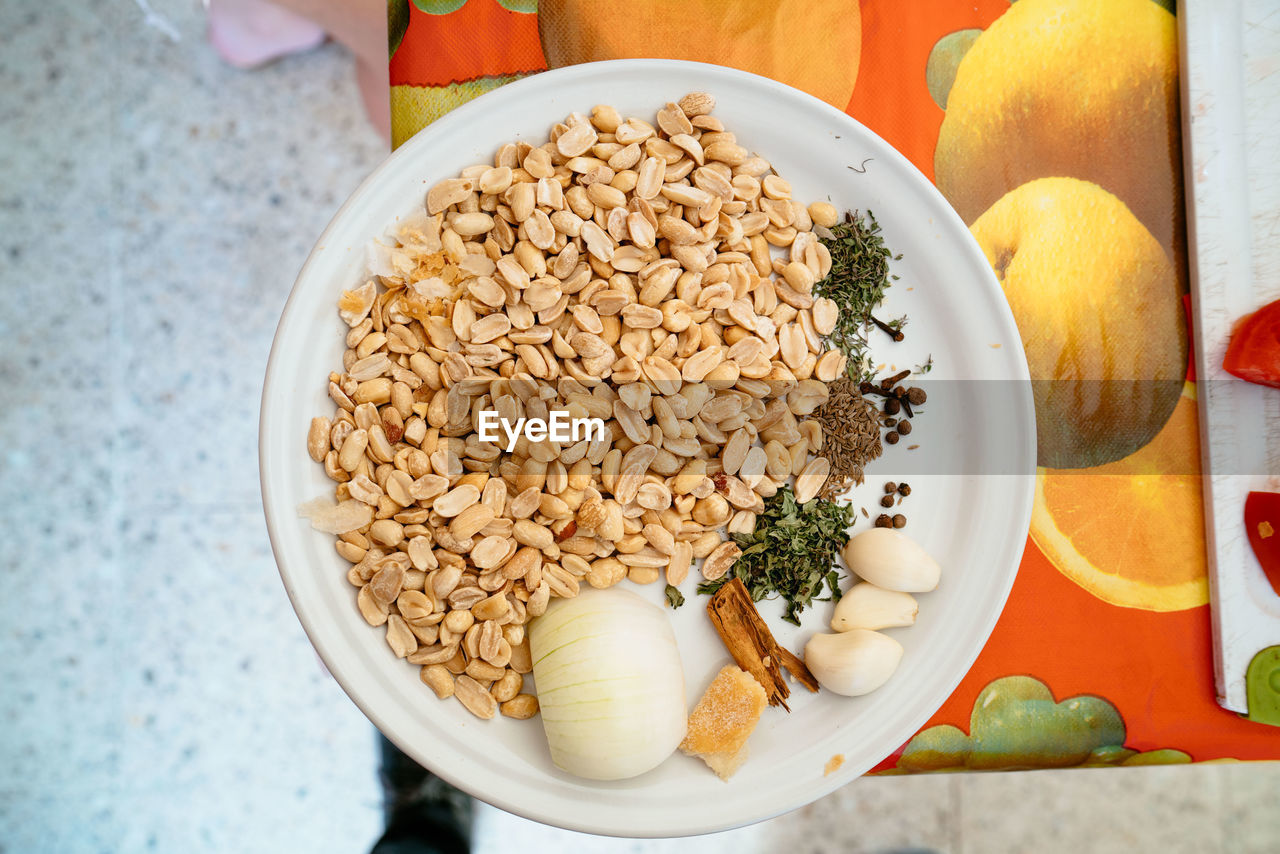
(794, 665)
(751, 644)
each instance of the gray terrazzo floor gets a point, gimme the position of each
(158, 693)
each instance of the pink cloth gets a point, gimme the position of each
(250, 33)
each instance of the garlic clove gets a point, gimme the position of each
(852, 663)
(892, 561)
(867, 606)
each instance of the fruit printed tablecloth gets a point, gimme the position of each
(1053, 128)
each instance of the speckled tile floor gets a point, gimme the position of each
(158, 692)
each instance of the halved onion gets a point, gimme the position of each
(610, 684)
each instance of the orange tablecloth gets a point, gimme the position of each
(1103, 654)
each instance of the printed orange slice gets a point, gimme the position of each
(1131, 532)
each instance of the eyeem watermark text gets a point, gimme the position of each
(560, 428)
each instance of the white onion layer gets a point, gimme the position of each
(610, 683)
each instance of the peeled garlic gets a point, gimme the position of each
(890, 560)
(852, 663)
(866, 606)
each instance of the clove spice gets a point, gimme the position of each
(893, 332)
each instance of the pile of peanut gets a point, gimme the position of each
(655, 276)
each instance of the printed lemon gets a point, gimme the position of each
(1082, 88)
(415, 107)
(813, 45)
(1099, 314)
(1131, 532)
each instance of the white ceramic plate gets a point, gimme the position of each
(974, 523)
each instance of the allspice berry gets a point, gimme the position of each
(883, 521)
(887, 501)
(899, 521)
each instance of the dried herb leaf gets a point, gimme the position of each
(674, 597)
(857, 283)
(791, 552)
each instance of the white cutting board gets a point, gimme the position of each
(1231, 120)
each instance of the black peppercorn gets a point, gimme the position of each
(887, 501)
(904, 427)
(892, 406)
(889, 422)
(899, 521)
(883, 521)
(904, 489)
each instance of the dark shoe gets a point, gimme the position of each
(425, 815)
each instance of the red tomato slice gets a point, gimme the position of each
(1254, 351)
(1262, 524)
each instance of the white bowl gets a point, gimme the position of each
(974, 523)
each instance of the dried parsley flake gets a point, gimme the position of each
(791, 552)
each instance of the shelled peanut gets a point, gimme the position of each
(624, 271)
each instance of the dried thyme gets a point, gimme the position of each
(857, 283)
